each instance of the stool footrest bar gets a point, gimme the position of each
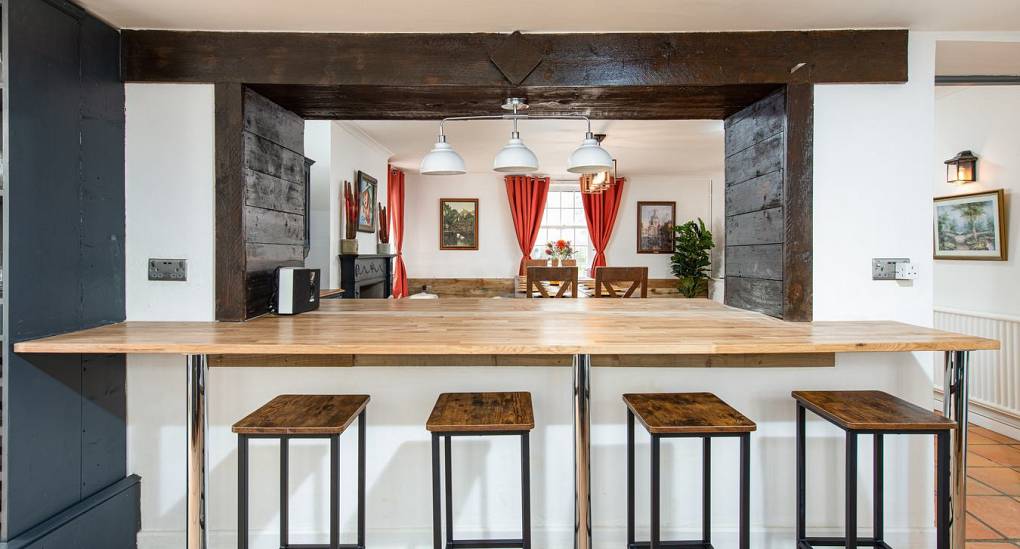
(483, 543)
(682, 543)
(807, 543)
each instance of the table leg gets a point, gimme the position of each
(582, 452)
(955, 396)
(198, 457)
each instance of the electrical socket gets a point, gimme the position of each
(884, 268)
(173, 270)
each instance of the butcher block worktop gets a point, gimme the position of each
(509, 327)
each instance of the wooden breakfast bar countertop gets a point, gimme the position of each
(579, 333)
(479, 326)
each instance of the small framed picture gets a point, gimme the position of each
(458, 223)
(971, 226)
(655, 222)
(366, 196)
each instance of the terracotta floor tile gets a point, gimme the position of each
(998, 512)
(978, 488)
(989, 545)
(977, 530)
(974, 460)
(1001, 454)
(990, 434)
(1003, 479)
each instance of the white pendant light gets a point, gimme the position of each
(590, 157)
(442, 160)
(515, 157)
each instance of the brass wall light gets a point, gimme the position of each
(962, 168)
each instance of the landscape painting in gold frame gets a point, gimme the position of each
(971, 226)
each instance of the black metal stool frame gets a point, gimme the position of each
(334, 489)
(706, 494)
(851, 539)
(523, 542)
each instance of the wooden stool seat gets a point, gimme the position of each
(303, 415)
(871, 411)
(673, 413)
(481, 412)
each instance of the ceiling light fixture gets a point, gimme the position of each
(515, 157)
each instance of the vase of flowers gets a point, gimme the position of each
(349, 245)
(560, 252)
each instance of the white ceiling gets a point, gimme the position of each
(641, 147)
(557, 15)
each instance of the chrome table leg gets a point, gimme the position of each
(582, 452)
(956, 393)
(198, 457)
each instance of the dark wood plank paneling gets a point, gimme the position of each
(262, 155)
(799, 224)
(272, 227)
(763, 296)
(231, 289)
(760, 193)
(606, 59)
(756, 124)
(763, 261)
(266, 257)
(435, 102)
(754, 161)
(270, 121)
(272, 193)
(763, 227)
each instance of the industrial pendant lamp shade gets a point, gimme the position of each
(590, 157)
(442, 160)
(515, 157)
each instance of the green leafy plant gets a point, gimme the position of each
(691, 261)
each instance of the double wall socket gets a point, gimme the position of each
(174, 270)
(892, 268)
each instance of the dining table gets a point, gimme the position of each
(480, 332)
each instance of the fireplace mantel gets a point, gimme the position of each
(366, 275)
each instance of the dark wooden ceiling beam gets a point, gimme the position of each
(567, 60)
(432, 103)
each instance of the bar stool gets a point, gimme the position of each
(878, 414)
(472, 415)
(303, 416)
(693, 415)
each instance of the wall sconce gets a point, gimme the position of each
(962, 168)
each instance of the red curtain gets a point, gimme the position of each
(395, 209)
(526, 196)
(600, 213)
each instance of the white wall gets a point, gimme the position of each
(498, 254)
(851, 226)
(322, 211)
(983, 119)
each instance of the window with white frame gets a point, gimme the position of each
(564, 219)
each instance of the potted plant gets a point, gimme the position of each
(691, 261)
(383, 231)
(349, 245)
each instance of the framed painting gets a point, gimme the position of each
(971, 226)
(458, 223)
(366, 196)
(655, 222)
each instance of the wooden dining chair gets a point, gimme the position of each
(565, 276)
(606, 276)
